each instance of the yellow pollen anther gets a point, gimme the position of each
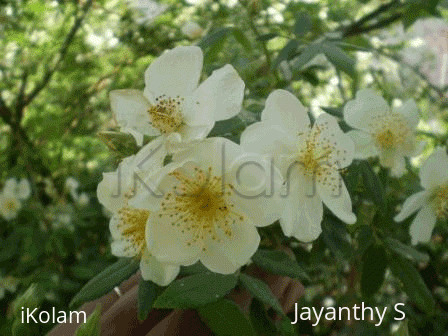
(199, 207)
(166, 115)
(11, 205)
(132, 226)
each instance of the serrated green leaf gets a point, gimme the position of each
(225, 318)
(105, 281)
(147, 293)
(339, 58)
(196, 290)
(374, 186)
(413, 284)
(406, 251)
(92, 327)
(261, 291)
(278, 262)
(373, 270)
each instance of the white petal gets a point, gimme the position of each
(434, 171)
(109, 192)
(409, 110)
(412, 204)
(303, 213)
(219, 97)
(174, 73)
(189, 133)
(153, 270)
(131, 111)
(364, 145)
(23, 189)
(367, 104)
(399, 167)
(168, 244)
(231, 253)
(336, 197)
(422, 225)
(284, 109)
(271, 140)
(10, 187)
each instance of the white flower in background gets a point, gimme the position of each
(21, 190)
(83, 199)
(205, 213)
(172, 102)
(61, 216)
(192, 30)
(309, 157)
(9, 205)
(432, 202)
(382, 131)
(147, 10)
(128, 224)
(72, 185)
(9, 284)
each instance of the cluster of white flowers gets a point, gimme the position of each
(12, 195)
(207, 202)
(72, 185)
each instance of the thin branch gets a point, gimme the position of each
(59, 56)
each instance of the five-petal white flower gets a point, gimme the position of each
(432, 201)
(128, 225)
(172, 102)
(309, 158)
(382, 131)
(212, 202)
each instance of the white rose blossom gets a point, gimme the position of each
(213, 201)
(382, 131)
(21, 190)
(192, 30)
(309, 158)
(9, 205)
(173, 103)
(432, 202)
(128, 224)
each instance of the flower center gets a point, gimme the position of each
(166, 114)
(11, 205)
(390, 130)
(132, 227)
(440, 201)
(199, 207)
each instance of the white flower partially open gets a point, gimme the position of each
(432, 201)
(172, 102)
(309, 157)
(128, 225)
(211, 206)
(382, 131)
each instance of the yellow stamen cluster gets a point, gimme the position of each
(320, 156)
(200, 208)
(440, 201)
(390, 129)
(11, 205)
(166, 114)
(132, 228)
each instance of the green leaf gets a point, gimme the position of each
(406, 251)
(373, 185)
(122, 143)
(196, 290)
(373, 269)
(215, 37)
(334, 111)
(413, 284)
(339, 58)
(92, 327)
(105, 281)
(306, 56)
(261, 291)
(286, 328)
(287, 53)
(239, 35)
(262, 324)
(225, 318)
(303, 24)
(266, 37)
(278, 262)
(337, 238)
(147, 293)
(10, 247)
